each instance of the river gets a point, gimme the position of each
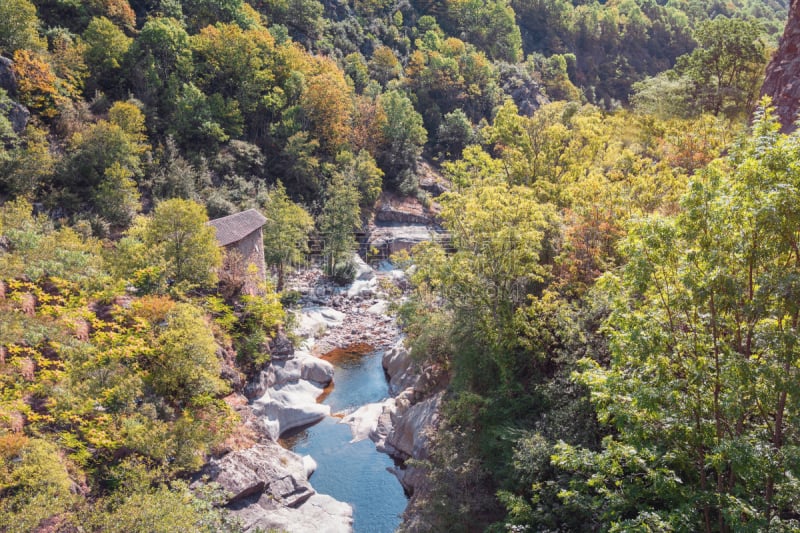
(354, 472)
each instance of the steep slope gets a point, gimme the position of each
(783, 72)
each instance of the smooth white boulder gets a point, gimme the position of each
(361, 287)
(379, 308)
(313, 321)
(310, 465)
(289, 406)
(316, 369)
(363, 270)
(319, 514)
(364, 420)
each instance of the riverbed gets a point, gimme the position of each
(353, 472)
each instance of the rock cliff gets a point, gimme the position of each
(783, 72)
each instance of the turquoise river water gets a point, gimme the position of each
(354, 472)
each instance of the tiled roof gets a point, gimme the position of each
(236, 227)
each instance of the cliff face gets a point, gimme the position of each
(783, 72)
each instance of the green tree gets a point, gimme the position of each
(202, 13)
(35, 485)
(362, 171)
(185, 367)
(491, 26)
(108, 151)
(162, 60)
(286, 232)
(19, 26)
(235, 64)
(178, 232)
(384, 66)
(455, 133)
(107, 47)
(200, 122)
(727, 67)
(28, 164)
(117, 197)
(403, 136)
(167, 509)
(337, 223)
(702, 386)
(501, 236)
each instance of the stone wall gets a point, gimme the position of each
(251, 250)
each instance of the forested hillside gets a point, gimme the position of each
(615, 307)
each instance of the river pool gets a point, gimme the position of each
(353, 472)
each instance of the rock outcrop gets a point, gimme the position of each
(319, 514)
(783, 72)
(400, 368)
(389, 239)
(405, 210)
(18, 115)
(268, 489)
(8, 79)
(291, 388)
(402, 425)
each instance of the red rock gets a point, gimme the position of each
(783, 72)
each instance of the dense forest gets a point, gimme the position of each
(615, 307)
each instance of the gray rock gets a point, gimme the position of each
(410, 432)
(269, 490)
(392, 238)
(316, 369)
(232, 376)
(265, 468)
(400, 367)
(8, 80)
(18, 115)
(281, 346)
(319, 514)
(364, 272)
(257, 386)
(289, 406)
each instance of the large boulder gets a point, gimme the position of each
(390, 238)
(268, 490)
(313, 321)
(290, 406)
(8, 79)
(263, 469)
(371, 421)
(364, 272)
(302, 366)
(402, 209)
(782, 81)
(412, 427)
(316, 369)
(400, 368)
(319, 514)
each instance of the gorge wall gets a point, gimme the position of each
(782, 82)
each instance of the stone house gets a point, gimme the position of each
(241, 236)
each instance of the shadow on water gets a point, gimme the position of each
(355, 473)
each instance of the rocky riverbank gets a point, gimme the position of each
(402, 425)
(269, 486)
